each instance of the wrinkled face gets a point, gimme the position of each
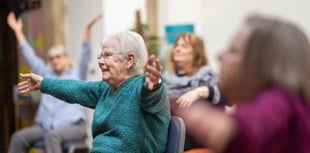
(182, 52)
(230, 61)
(58, 62)
(112, 66)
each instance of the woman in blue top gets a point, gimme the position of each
(56, 121)
(131, 108)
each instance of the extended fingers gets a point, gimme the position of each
(153, 69)
(184, 102)
(94, 20)
(152, 73)
(24, 76)
(23, 87)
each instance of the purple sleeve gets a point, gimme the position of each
(263, 124)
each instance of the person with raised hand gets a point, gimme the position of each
(265, 72)
(131, 108)
(56, 121)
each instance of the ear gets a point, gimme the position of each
(130, 59)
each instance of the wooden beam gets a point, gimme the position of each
(152, 17)
(54, 22)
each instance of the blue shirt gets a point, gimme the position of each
(53, 112)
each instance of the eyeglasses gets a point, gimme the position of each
(55, 57)
(105, 56)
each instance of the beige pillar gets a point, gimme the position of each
(53, 22)
(151, 6)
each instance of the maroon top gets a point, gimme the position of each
(275, 121)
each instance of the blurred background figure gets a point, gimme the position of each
(265, 73)
(189, 78)
(56, 121)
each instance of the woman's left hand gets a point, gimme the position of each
(153, 70)
(187, 99)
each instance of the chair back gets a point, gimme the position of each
(176, 135)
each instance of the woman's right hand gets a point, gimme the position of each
(33, 82)
(15, 24)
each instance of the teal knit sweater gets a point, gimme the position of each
(129, 120)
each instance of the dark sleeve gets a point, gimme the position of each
(211, 93)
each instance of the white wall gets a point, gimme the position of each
(217, 20)
(214, 20)
(120, 15)
(77, 14)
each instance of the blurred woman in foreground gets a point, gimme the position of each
(265, 72)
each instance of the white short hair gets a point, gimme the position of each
(128, 41)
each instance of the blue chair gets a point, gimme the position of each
(68, 147)
(176, 135)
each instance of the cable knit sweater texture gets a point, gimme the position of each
(129, 120)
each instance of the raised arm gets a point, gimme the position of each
(17, 26)
(86, 48)
(209, 126)
(153, 70)
(34, 61)
(154, 94)
(89, 26)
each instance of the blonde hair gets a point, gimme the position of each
(277, 53)
(200, 57)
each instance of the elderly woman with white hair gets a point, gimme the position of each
(131, 106)
(56, 121)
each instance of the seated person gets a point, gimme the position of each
(131, 108)
(56, 121)
(265, 72)
(188, 71)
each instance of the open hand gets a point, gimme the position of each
(15, 24)
(153, 70)
(89, 26)
(187, 99)
(32, 82)
(93, 20)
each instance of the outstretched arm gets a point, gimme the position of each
(88, 92)
(209, 126)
